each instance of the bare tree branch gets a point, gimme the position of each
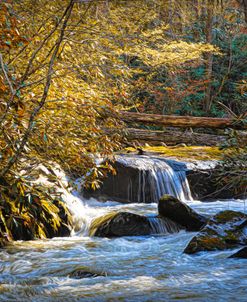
(6, 75)
(35, 112)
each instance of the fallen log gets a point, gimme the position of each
(182, 121)
(172, 137)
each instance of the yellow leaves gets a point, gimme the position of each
(40, 232)
(156, 33)
(92, 76)
(242, 87)
(21, 188)
(8, 233)
(174, 53)
(95, 184)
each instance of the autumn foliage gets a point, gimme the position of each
(68, 67)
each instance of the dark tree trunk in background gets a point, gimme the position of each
(245, 9)
(243, 3)
(209, 57)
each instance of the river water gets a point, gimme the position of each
(151, 268)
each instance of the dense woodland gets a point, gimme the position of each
(69, 67)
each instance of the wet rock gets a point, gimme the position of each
(227, 229)
(172, 208)
(122, 187)
(204, 185)
(240, 254)
(81, 274)
(141, 179)
(120, 224)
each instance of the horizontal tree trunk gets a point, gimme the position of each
(174, 137)
(181, 121)
(171, 137)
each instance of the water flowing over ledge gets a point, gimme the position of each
(160, 176)
(144, 179)
(163, 226)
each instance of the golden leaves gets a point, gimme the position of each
(173, 54)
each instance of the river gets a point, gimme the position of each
(151, 268)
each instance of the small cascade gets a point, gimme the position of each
(163, 226)
(156, 177)
(150, 179)
(83, 211)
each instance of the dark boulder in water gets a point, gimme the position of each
(240, 254)
(81, 274)
(174, 209)
(129, 224)
(120, 224)
(227, 229)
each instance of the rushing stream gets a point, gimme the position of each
(142, 268)
(151, 268)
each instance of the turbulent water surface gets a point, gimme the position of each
(151, 268)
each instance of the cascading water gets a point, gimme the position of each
(156, 177)
(150, 268)
(163, 226)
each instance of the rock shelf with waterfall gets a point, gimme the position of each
(144, 179)
(142, 243)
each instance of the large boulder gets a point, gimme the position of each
(227, 229)
(122, 186)
(240, 254)
(141, 179)
(172, 208)
(120, 224)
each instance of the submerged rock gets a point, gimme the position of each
(226, 229)
(81, 273)
(240, 254)
(172, 208)
(120, 224)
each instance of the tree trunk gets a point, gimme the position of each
(245, 10)
(172, 137)
(181, 121)
(209, 56)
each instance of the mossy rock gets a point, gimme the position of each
(224, 230)
(99, 221)
(120, 224)
(181, 151)
(226, 216)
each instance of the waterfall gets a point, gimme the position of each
(156, 177)
(146, 181)
(163, 226)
